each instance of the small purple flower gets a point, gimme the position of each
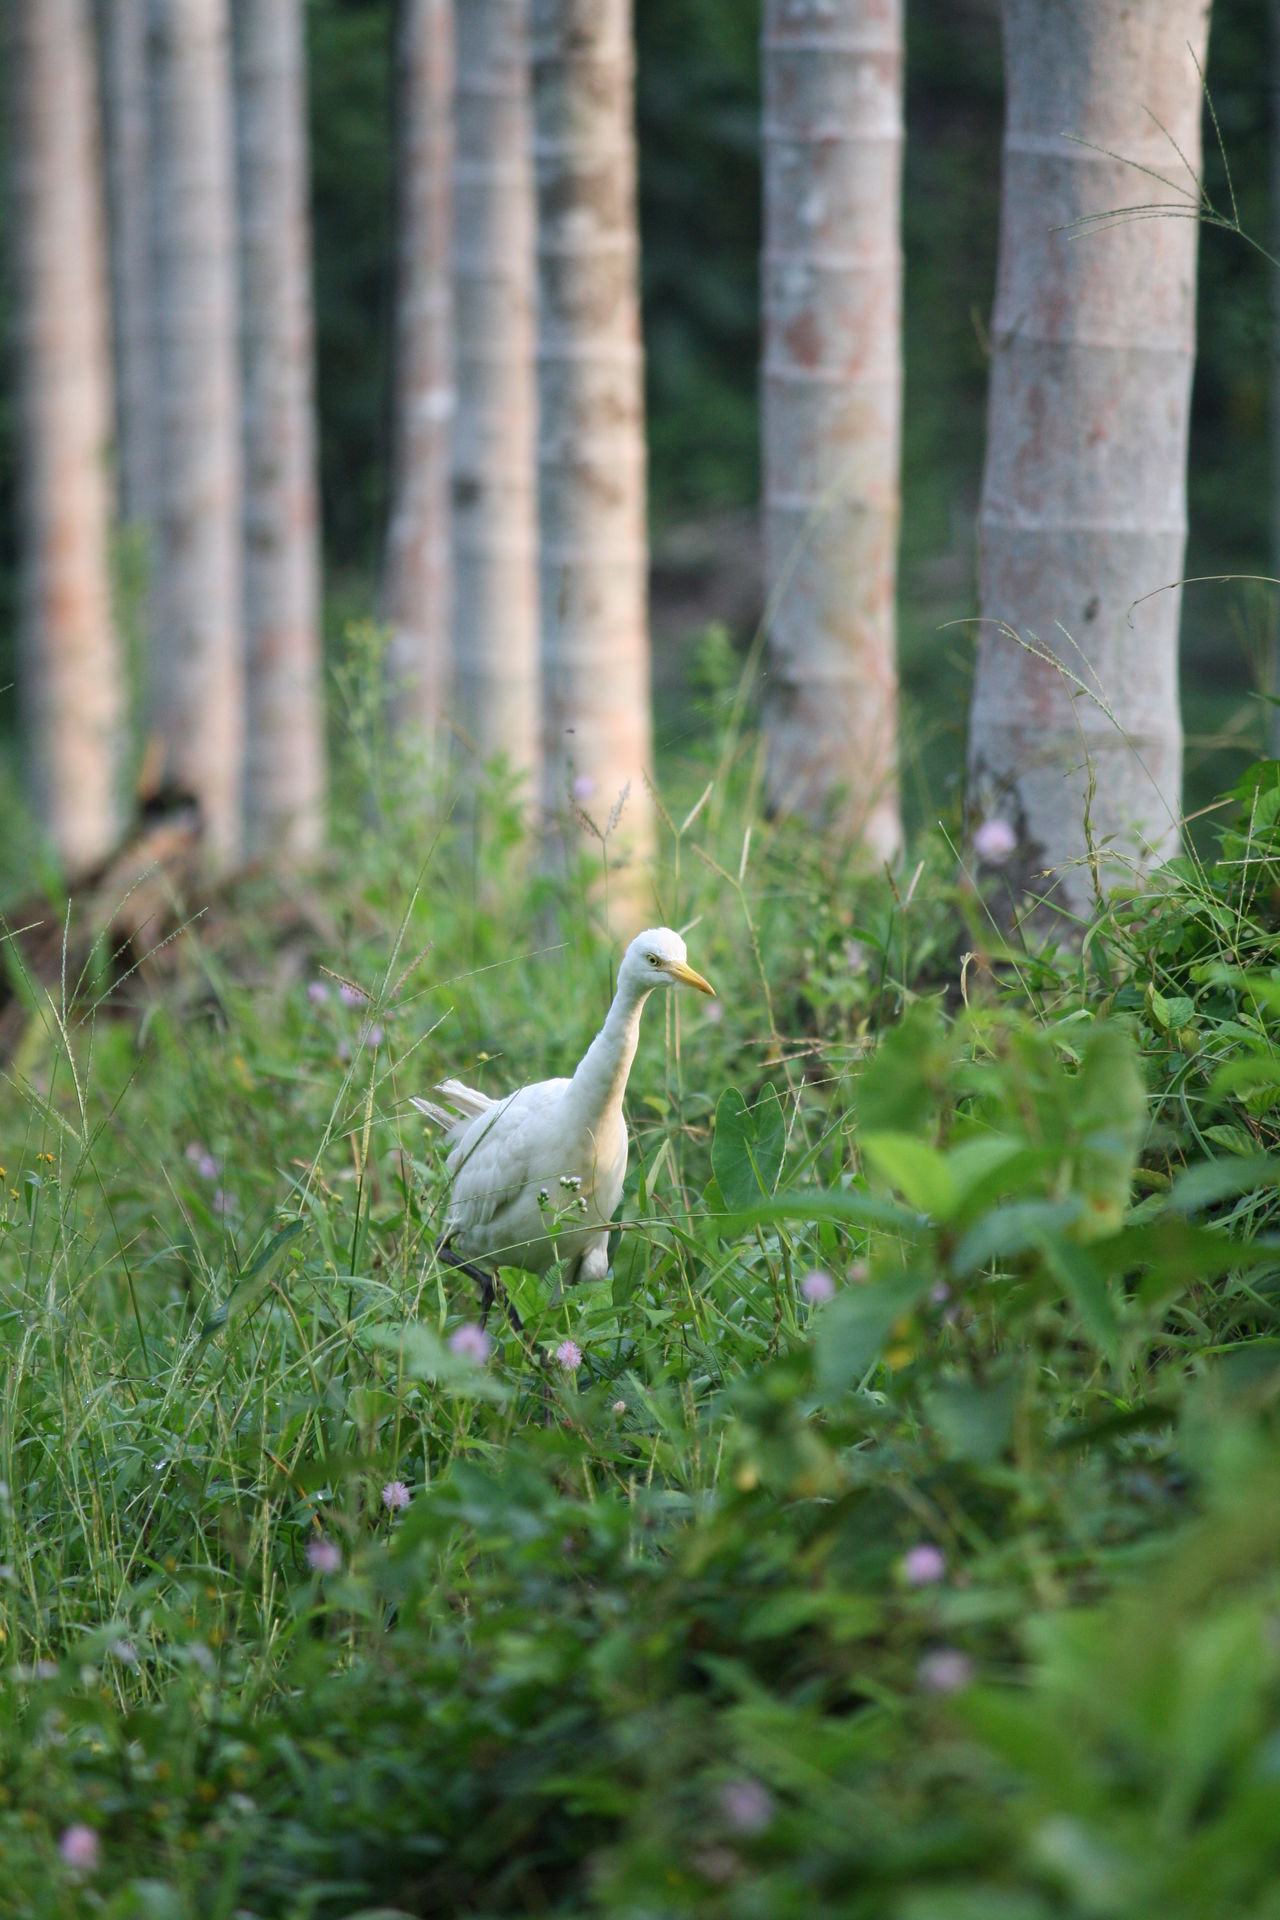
(318, 993)
(80, 1847)
(471, 1342)
(371, 1034)
(945, 1670)
(203, 1161)
(569, 1354)
(994, 840)
(619, 1408)
(583, 787)
(352, 996)
(745, 1805)
(714, 1012)
(124, 1651)
(924, 1565)
(817, 1287)
(324, 1556)
(395, 1496)
(344, 1050)
(939, 1293)
(45, 1670)
(222, 1202)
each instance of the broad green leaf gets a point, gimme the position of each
(917, 1170)
(974, 1422)
(855, 1328)
(1086, 1287)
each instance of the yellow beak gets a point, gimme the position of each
(688, 978)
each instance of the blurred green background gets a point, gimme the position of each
(698, 100)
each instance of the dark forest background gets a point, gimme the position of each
(698, 110)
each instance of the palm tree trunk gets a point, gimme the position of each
(832, 405)
(197, 665)
(285, 748)
(495, 512)
(591, 452)
(1273, 664)
(1084, 494)
(122, 41)
(70, 674)
(417, 588)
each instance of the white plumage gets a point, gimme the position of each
(555, 1150)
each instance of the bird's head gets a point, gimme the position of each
(659, 958)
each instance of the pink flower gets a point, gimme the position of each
(395, 1496)
(817, 1287)
(352, 996)
(222, 1202)
(371, 1034)
(746, 1806)
(471, 1342)
(317, 993)
(583, 787)
(324, 1556)
(80, 1847)
(939, 1293)
(619, 1408)
(945, 1670)
(994, 840)
(203, 1161)
(924, 1565)
(569, 1354)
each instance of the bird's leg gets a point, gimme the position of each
(486, 1282)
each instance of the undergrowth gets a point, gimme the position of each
(905, 1542)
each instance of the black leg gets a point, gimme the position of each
(485, 1281)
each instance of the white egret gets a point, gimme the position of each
(554, 1152)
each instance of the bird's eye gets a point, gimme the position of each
(653, 960)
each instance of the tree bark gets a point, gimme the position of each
(1084, 492)
(495, 515)
(70, 671)
(122, 41)
(1272, 730)
(832, 406)
(197, 665)
(597, 727)
(285, 747)
(417, 586)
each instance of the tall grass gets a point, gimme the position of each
(645, 1638)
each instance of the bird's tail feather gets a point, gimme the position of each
(465, 1103)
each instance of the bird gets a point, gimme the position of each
(553, 1153)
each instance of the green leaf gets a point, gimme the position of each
(1086, 1288)
(747, 1147)
(855, 1328)
(974, 1422)
(730, 1152)
(917, 1170)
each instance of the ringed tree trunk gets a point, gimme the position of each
(122, 41)
(417, 588)
(832, 409)
(1084, 492)
(285, 746)
(69, 667)
(1273, 664)
(495, 510)
(197, 666)
(597, 726)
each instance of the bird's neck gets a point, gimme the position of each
(601, 1079)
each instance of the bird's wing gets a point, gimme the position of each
(495, 1160)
